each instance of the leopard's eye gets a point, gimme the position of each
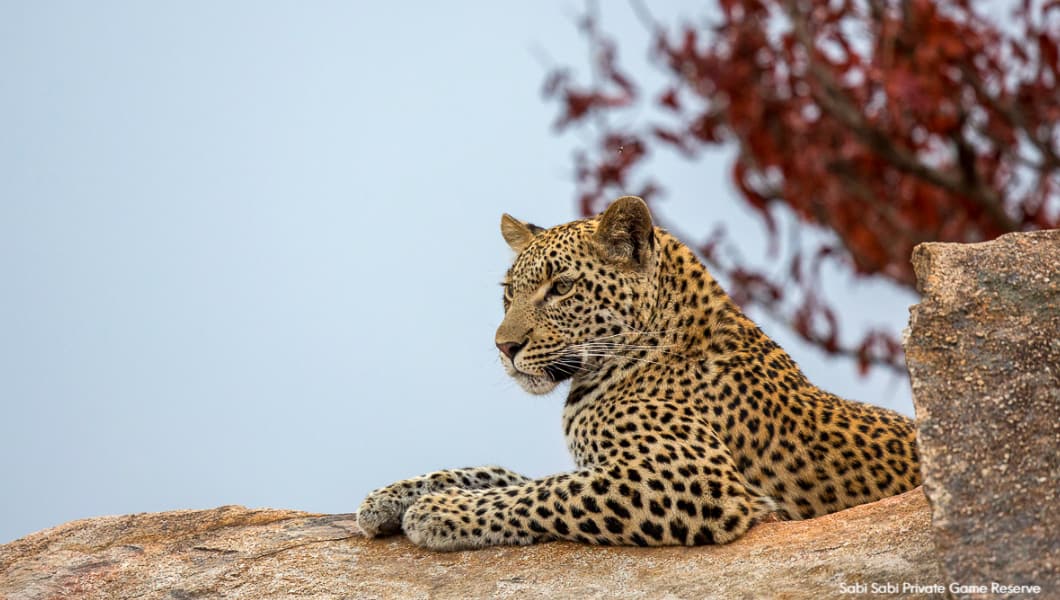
(561, 287)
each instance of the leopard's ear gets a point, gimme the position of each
(517, 233)
(625, 233)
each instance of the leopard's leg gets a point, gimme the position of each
(640, 504)
(382, 510)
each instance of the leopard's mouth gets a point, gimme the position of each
(563, 369)
(551, 375)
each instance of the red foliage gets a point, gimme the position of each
(886, 122)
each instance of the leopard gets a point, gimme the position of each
(687, 424)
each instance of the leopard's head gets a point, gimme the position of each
(577, 294)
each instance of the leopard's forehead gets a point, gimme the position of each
(554, 250)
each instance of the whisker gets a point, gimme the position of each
(621, 346)
(610, 346)
(643, 360)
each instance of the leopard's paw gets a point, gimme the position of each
(431, 523)
(380, 513)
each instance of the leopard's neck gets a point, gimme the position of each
(694, 324)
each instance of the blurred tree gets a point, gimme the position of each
(885, 122)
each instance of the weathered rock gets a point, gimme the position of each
(235, 552)
(983, 350)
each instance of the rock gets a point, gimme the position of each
(983, 351)
(237, 552)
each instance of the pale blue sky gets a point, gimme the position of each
(249, 251)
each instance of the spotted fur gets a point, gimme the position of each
(686, 422)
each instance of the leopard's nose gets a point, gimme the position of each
(510, 349)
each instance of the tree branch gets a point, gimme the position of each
(1015, 118)
(837, 103)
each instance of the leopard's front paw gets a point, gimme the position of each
(431, 523)
(380, 513)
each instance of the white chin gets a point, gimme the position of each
(535, 384)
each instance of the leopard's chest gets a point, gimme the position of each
(582, 429)
(618, 430)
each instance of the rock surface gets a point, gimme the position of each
(239, 553)
(983, 351)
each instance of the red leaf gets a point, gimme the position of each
(669, 100)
